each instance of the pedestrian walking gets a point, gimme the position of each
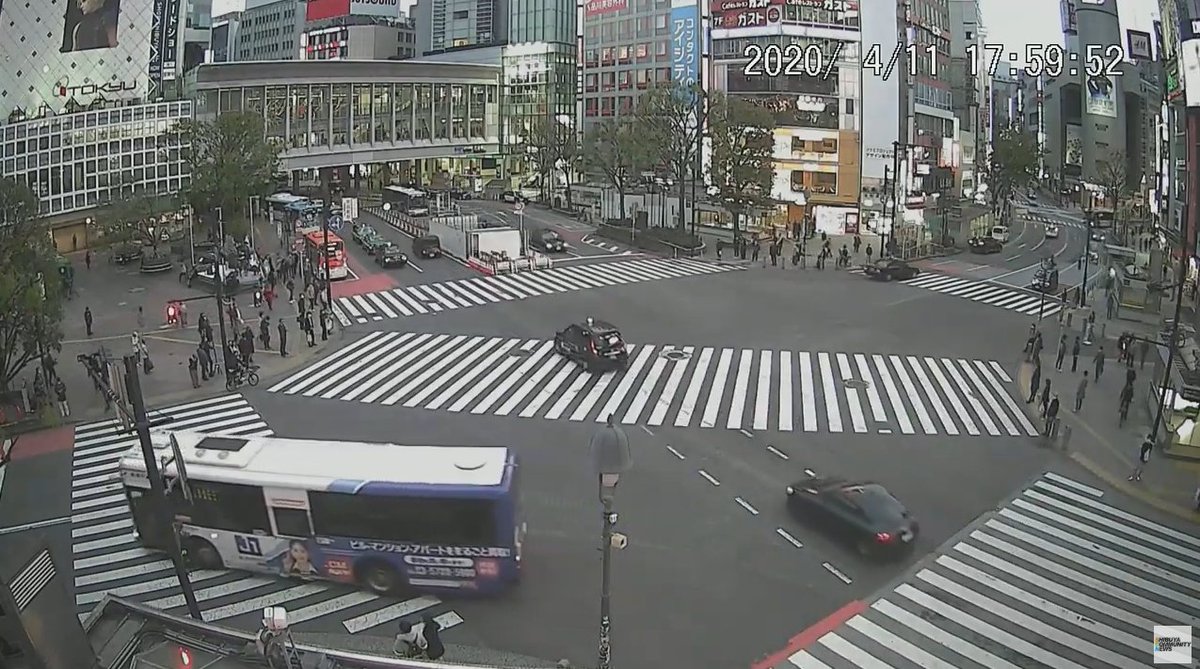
(194, 370)
(754, 251)
(269, 296)
(1034, 382)
(1037, 348)
(1126, 400)
(291, 289)
(282, 337)
(869, 252)
(1098, 361)
(1062, 352)
(264, 331)
(87, 320)
(308, 330)
(203, 361)
(1045, 397)
(1075, 354)
(1130, 376)
(1143, 349)
(87, 259)
(183, 314)
(326, 323)
(1051, 417)
(141, 320)
(60, 393)
(1143, 458)
(1081, 392)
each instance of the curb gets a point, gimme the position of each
(1140, 492)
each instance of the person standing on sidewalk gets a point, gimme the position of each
(203, 361)
(87, 259)
(1034, 382)
(869, 253)
(194, 370)
(1062, 352)
(1045, 397)
(264, 331)
(60, 393)
(282, 338)
(1126, 400)
(87, 320)
(1081, 392)
(1051, 416)
(1144, 349)
(754, 250)
(1098, 361)
(1075, 355)
(1143, 458)
(857, 244)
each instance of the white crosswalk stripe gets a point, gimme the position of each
(109, 558)
(682, 386)
(1057, 578)
(1027, 302)
(482, 290)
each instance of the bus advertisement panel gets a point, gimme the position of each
(334, 256)
(287, 507)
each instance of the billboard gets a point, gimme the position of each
(800, 111)
(317, 10)
(1066, 10)
(387, 9)
(91, 49)
(880, 98)
(746, 13)
(685, 43)
(169, 49)
(598, 7)
(1101, 97)
(1073, 146)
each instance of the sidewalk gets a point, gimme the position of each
(1097, 441)
(115, 293)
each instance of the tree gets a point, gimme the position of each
(672, 119)
(615, 151)
(132, 214)
(1014, 164)
(230, 161)
(555, 149)
(1113, 175)
(743, 141)
(31, 296)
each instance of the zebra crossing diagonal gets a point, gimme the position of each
(108, 558)
(1021, 301)
(484, 290)
(681, 386)
(1055, 578)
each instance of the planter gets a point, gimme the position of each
(156, 264)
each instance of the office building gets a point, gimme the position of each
(932, 127)
(1002, 99)
(270, 30)
(356, 30)
(197, 33)
(626, 51)
(968, 76)
(223, 43)
(83, 121)
(446, 25)
(818, 114)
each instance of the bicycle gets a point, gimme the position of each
(249, 378)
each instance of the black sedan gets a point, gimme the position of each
(985, 245)
(390, 256)
(863, 515)
(547, 241)
(891, 270)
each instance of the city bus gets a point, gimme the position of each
(334, 255)
(385, 517)
(406, 200)
(278, 203)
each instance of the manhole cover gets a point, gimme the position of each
(675, 354)
(520, 353)
(856, 384)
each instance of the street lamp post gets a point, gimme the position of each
(611, 457)
(219, 285)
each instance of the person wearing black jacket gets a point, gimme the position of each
(434, 649)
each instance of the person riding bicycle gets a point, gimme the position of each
(409, 642)
(234, 365)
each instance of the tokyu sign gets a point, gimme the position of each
(381, 8)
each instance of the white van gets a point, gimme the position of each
(1000, 233)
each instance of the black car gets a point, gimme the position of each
(391, 256)
(1045, 280)
(595, 344)
(891, 270)
(985, 245)
(863, 515)
(427, 246)
(547, 241)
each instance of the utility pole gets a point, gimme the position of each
(219, 282)
(162, 517)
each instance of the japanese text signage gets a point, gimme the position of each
(598, 7)
(170, 41)
(685, 47)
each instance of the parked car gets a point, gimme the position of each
(985, 245)
(390, 255)
(891, 270)
(863, 515)
(595, 344)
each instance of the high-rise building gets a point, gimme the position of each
(968, 76)
(224, 37)
(83, 119)
(800, 62)
(444, 25)
(932, 125)
(357, 30)
(270, 30)
(626, 49)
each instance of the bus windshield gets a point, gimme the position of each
(443, 518)
(405, 200)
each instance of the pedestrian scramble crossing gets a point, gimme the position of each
(1025, 302)
(482, 290)
(680, 386)
(109, 559)
(1058, 578)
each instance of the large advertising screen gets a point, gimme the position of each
(317, 10)
(385, 9)
(685, 43)
(1101, 97)
(880, 96)
(1073, 146)
(80, 51)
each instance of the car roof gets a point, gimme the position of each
(598, 326)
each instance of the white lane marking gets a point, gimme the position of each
(709, 477)
(836, 572)
(788, 537)
(746, 505)
(676, 453)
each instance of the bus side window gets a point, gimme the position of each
(292, 522)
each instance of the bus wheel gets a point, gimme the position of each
(202, 554)
(379, 577)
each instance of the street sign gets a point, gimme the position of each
(335, 222)
(518, 207)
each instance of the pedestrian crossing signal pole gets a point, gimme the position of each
(163, 521)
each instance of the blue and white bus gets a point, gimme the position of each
(406, 200)
(386, 517)
(279, 202)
